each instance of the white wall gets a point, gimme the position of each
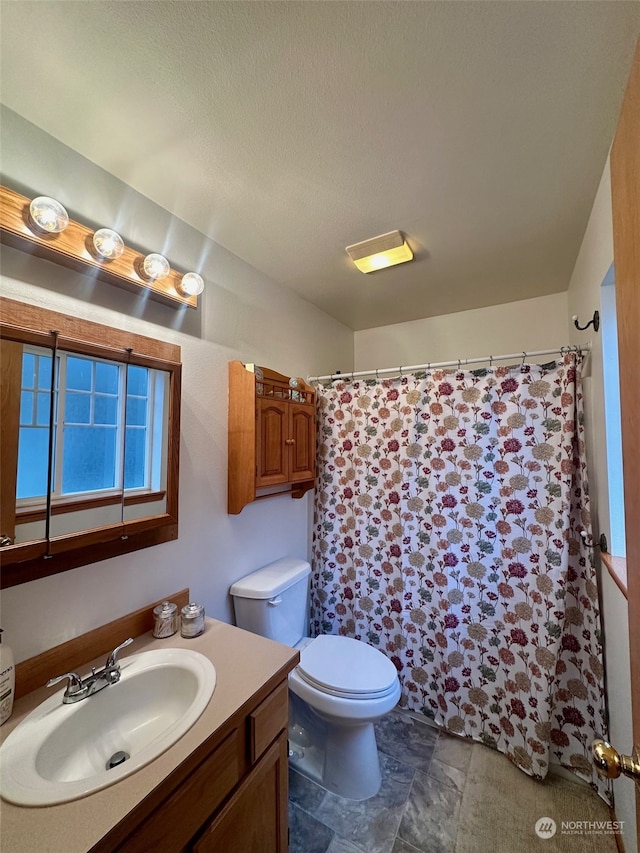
(529, 324)
(244, 315)
(593, 263)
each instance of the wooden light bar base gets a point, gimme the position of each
(73, 248)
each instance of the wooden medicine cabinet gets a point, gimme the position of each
(272, 435)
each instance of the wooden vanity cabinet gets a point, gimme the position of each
(230, 797)
(254, 820)
(272, 435)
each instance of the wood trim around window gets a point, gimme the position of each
(32, 560)
(25, 516)
(42, 320)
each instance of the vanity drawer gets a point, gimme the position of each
(268, 720)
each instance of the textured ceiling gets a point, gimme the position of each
(287, 131)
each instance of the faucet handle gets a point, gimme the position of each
(112, 660)
(75, 684)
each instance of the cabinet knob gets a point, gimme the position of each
(289, 441)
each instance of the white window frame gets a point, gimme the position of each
(153, 474)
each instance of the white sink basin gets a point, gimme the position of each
(60, 752)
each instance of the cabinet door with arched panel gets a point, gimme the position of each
(272, 435)
(302, 439)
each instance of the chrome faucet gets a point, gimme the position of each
(80, 688)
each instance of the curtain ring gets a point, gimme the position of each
(459, 364)
(377, 376)
(490, 361)
(400, 370)
(524, 356)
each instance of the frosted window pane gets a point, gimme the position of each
(33, 455)
(43, 408)
(78, 409)
(106, 378)
(137, 380)
(611, 371)
(79, 372)
(105, 410)
(44, 373)
(136, 411)
(134, 458)
(28, 370)
(88, 462)
(26, 407)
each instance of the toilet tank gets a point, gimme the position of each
(274, 601)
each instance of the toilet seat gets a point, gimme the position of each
(348, 668)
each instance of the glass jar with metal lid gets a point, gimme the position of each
(165, 619)
(192, 621)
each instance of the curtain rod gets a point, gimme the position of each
(458, 362)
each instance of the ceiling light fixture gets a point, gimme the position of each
(155, 266)
(192, 284)
(48, 215)
(380, 252)
(108, 244)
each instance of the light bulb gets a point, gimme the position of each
(108, 244)
(379, 262)
(48, 214)
(192, 284)
(155, 266)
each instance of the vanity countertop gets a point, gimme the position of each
(244, 663)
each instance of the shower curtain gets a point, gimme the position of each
(447, 527)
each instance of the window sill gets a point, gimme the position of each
(617, 568)
(63, 506)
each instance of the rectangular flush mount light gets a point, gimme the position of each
(379, 252)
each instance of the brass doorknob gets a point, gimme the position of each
(610, 764)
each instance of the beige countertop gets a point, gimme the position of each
(244, 662)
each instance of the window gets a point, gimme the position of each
(107, 427)
(611, 372)
(46, 532)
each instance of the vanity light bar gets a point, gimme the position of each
(101, 253)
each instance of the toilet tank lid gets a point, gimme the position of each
(271, 580)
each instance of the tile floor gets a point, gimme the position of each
(415, 811)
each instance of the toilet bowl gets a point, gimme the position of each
(338, 690)
(348, 685)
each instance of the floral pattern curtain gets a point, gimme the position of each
(446, 533)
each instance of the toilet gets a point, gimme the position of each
(338, 690)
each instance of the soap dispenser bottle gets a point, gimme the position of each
(7, 681)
